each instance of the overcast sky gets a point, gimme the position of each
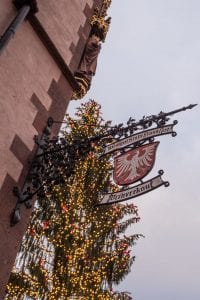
(151, 62)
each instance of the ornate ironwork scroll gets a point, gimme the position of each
(55, 158)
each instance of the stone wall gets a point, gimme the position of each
(32, 88)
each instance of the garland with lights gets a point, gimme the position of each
(70, 248)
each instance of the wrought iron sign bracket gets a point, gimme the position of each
(52, 155)
(55, 158)
(29, 191)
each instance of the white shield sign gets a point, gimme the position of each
(134, 164)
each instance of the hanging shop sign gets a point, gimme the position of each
(134, 191)
(131, 167)
(138, 137)
(135, 155)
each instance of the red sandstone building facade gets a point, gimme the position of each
(37, 69)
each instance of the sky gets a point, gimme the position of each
(151, 62)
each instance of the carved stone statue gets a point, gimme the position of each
(88, 64)
(86, 70)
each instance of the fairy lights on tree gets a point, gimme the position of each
(72, 248)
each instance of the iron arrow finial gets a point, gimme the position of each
(191, 106)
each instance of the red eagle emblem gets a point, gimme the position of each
(134, 164)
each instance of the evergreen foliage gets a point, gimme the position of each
(71, 249)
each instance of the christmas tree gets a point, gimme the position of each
(72, 248)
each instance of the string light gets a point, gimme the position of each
(71, 248)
